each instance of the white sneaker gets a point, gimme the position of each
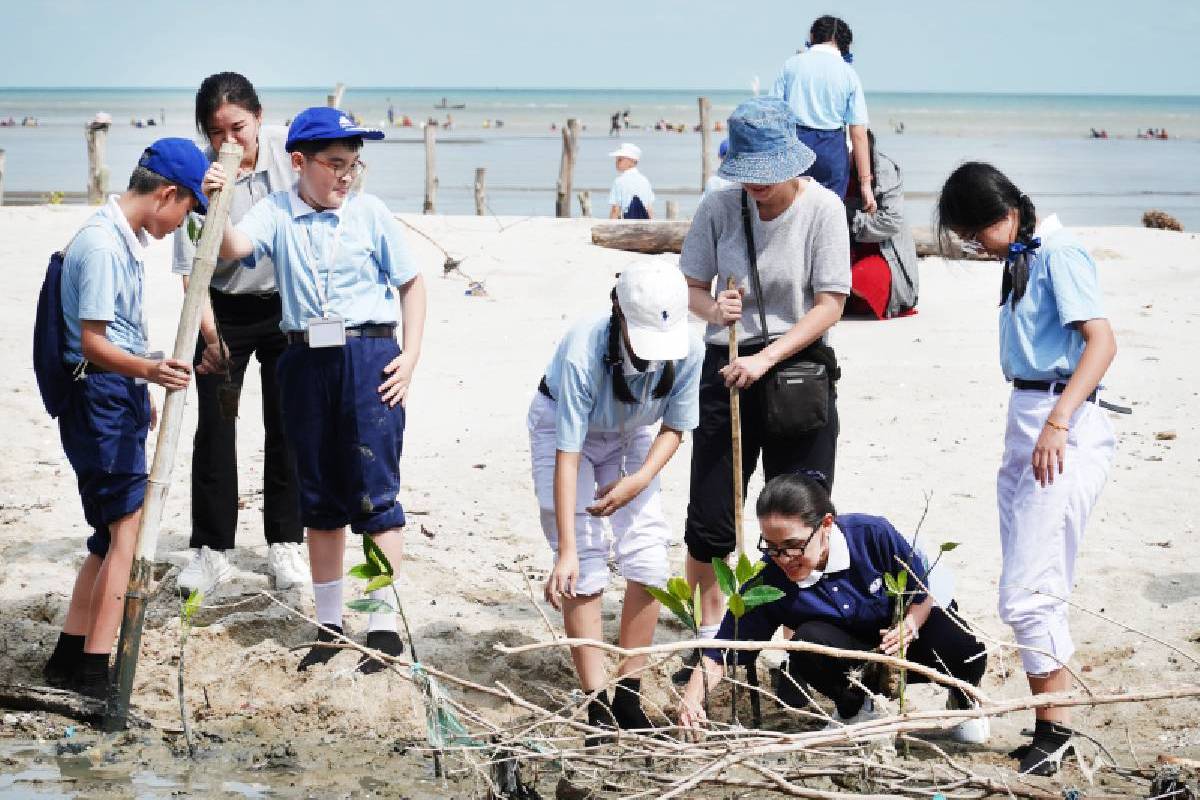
(867, 713)
(204, 572)
(287, 566)
(975, 730)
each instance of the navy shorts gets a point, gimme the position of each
(832, 167)
(347, 443)
(103, 431)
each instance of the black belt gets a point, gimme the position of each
(361, 331)
(1059, 386)
(544, 388)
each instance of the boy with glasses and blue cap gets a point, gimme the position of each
(104, 410)
(340, 264)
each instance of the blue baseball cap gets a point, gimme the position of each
(322, 122)
(179, 161)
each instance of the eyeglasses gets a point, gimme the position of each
(787, 549)
(353, 169)
(971, 245)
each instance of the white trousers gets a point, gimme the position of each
(638, 537)
(1041, 528)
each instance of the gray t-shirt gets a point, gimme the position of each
(272, 173)
(804, 250)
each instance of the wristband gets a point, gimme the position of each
(1057, 427)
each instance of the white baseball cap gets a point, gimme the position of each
(654, 301)
(627, 150)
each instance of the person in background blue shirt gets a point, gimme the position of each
(826, 95)
(1055, 346)
(596, 454)
(340, 265)
(830, 569)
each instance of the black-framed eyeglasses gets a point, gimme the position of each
(353, 169)
(786, 550)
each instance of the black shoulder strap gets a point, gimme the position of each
(752, 255)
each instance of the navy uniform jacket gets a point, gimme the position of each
(852, 597)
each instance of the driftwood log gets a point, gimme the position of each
(16, 697)
(667, 237)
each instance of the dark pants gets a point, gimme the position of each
(832, 167)
(942, 645)
(709, 531)
(250, 326)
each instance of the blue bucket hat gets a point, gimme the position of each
(179, 161)
(763, 147)
(322, 122)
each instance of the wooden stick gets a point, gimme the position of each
(566, 168)
(170, 423)
(706, 168)
(96, 134)
(672, 209)
(585, 203)
(431, 181)
(481, 191)
(735, 425)
(335, 100)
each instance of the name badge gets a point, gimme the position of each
(326, 332)
(157, 355)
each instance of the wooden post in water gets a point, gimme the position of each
(169, 427)
(335, 100)
(672, 209)
(431, 180)
(97, 183)
(480, 191)
(566, 168)
(1, 177)
(585, 203)
(706, 167)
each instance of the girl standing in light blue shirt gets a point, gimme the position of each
(1055, 346)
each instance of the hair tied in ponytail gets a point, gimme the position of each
(1018, 248)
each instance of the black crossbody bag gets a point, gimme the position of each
(796, 393)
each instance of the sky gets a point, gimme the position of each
(1052, 46)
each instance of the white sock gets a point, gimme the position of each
(709, 631)
(382, 620)
(328, 598)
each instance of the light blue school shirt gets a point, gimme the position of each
(103, 279)
(582, 388)
(822, 89)
(1037, 339)
(628, 185)
(358, 251)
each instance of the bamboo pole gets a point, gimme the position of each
(735, 424)
(672, 209)
(170, 423)
(335, 100)
(585, 203)
(566, 168)
(96, 134)
(480, 191)
(706, 169)
(431, 180)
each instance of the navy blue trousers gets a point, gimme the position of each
(347, 443)
(832, 167)
(103, 432)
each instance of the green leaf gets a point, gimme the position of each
(378, 582)
(375, 556)
(948, 546)
(365, 571)
(697, 611)
(761, 595)
(673, 603)
(192, 604)
(737, 606)
(744, 570)
(368, 604)
(679, 587)
(724, 577)
(901, 581)
(890, 582)
(759, 567)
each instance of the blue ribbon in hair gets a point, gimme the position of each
(1028, 246)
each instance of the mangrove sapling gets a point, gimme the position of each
(684, 603)
(742, 591)
(187, 614)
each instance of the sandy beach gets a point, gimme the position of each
(922, 404)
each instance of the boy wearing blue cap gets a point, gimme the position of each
(106, 411)
(340, 263)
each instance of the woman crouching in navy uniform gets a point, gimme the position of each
(830, 569)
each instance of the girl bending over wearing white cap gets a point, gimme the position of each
(596, 455)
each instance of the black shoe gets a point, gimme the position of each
(58, 676)
(600, 715)
(60, 668)
(684, 673)
(627, 706)
(92, 678)
(786, 688)
(318, 653)
(386, 642)
(1051, 743)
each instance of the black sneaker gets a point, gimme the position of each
(627, 706)
(600, 715)
(318, 653)
(785, 687)
(1051, 743)
(684, 674)
(386, 642)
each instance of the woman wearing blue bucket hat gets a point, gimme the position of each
(783, 241)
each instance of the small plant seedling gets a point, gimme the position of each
(187, 615)
(684, 603)
(743, 592)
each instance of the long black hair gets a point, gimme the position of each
(217, 90)
(977, 195)
(798, 496)
(833, 29)
(614, 362)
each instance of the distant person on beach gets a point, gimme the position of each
(391, 112)
(631, 196)
(625, 118)
(240, 321)
(884, 272)
(1055, 347)
(826, 95)
(614, 128)
(611, 410)
(347, 282)
(801, 254)
(107, 411)
(715, 182)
